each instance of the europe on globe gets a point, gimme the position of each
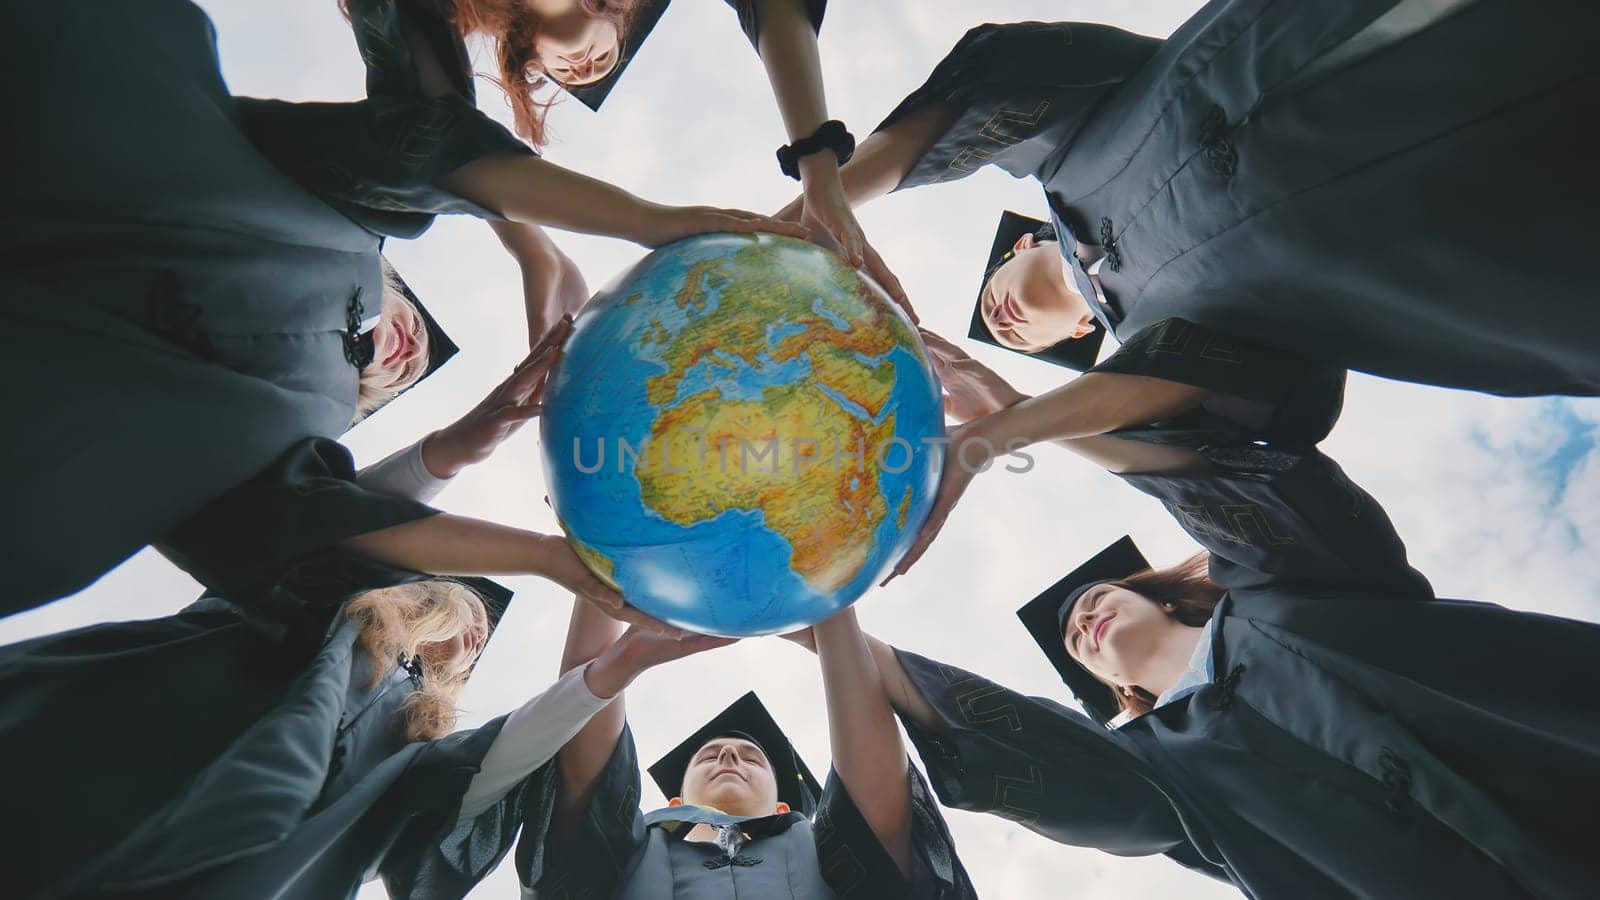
(743, 434)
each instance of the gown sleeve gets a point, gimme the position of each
(587, 861)
(442, 852)
(750, 22)
(533, 734)
(242, 543)
(856, 865)
(378, 160)
(403, 474)
(1051, 770)
(1262, 393)
(1287, 519)
(1021, 93)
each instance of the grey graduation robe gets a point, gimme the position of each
(1362, 738)
(1393, 186)
(175, 307)
(234, 750)
(376, 160)
(285, 517)
(617, 851)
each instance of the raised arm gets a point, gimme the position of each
(584, 758)
(445, 544)
(868, 756)
(552, 286)
(884, 159)
(532, 191)
(618, 658)
(786, 37)
(1089, 405)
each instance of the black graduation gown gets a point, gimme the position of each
(1362, 738)
(226, 751)
(1392, 186)
(174, 307)
(617, 851)
(376, 160)
(288, 516)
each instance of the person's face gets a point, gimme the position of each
(576, 47)
(459, 652)
(733, 775)
(1028, 304)
(400, 342)
(1113, 631)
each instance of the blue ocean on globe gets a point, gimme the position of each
(743, 434)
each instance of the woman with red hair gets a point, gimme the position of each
(418, 145)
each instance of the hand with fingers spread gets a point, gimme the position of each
(473, 437)
(661, 225)
(959, 469)
(639, 650)
(972, 390)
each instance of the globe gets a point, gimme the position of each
(743, 434)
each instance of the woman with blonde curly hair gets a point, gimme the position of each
(301, 743)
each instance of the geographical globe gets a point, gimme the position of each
(743, 434)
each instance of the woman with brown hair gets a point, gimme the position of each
(1292, 710)
(292, 746)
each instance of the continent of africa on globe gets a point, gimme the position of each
(743, 434)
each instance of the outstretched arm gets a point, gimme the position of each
(787, 42)
(552, 286)
(618, 658)
(532, 191)
(584, 758)
(868, 755)
(1084, 408)
(445, 544)
(884, 159)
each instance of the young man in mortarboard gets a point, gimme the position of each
(746, 818)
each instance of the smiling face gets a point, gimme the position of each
(733, 775)
(1028, 304)
(400, 342)
(575, 45)
(1119, 636)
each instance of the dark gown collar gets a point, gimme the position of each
(1108, 316)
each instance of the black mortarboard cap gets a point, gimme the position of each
(1044, 616)
(329, 578)
(1074, 353)
(644, 20)
(440, 347)
(496, 599)
(747, 718)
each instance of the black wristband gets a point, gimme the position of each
(830, 135)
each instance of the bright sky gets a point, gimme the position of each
(1495, 498)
